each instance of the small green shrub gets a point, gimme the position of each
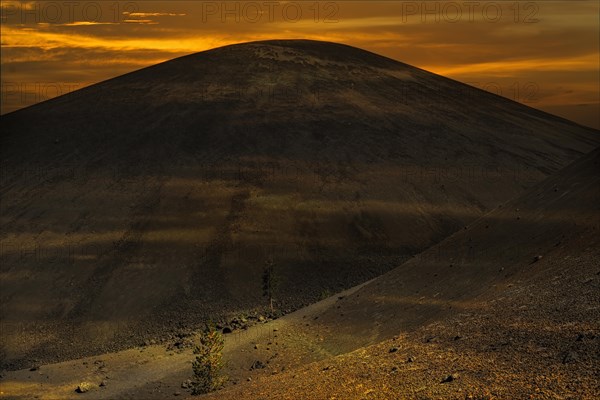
(209, 362)
(325, 293)
(270, 282)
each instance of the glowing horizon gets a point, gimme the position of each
(542, 54)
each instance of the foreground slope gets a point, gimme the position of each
(481, 306)
(507, 327)
(537, 336)
(151, 201)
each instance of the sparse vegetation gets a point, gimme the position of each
(209, 362)
(84, 387)
(269, 280)
(325, 293)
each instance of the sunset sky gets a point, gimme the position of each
(544, 54)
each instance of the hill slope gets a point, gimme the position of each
(151, 201)
(480, 306)
(505, 326)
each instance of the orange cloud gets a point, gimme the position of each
(559, 52)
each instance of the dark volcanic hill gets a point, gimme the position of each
(151, 201)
